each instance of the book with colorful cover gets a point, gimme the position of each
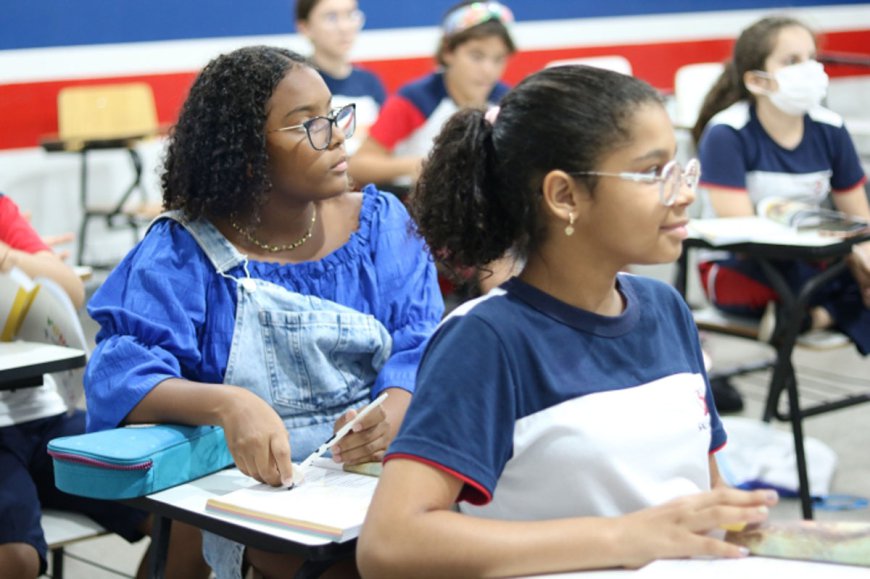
(330, 503)
(39, 310)
(846, 542)
(801, 215)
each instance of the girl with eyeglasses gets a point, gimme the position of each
(472, 55)
(763, 133)
(332, 27)
(567, 412)
(268, 299)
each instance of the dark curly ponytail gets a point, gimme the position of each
(452, 200)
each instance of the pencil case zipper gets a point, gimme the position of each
(144, 465)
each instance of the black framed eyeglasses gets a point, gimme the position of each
(319, 129)
(670, 179)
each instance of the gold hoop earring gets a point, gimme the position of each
(569, 229)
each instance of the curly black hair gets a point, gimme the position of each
(216, 164)
(480, 190)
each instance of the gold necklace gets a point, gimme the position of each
(276, 248)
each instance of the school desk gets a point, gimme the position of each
(22, 364)
(186, 503)
(749, 567)
(748, 237)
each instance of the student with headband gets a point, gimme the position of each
(472, 55)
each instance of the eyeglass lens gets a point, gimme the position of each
(320, 128)
(355, 18)
(673, 178)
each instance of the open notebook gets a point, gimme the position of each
(733, 230)
(330, 503)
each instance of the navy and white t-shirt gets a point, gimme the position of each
(545, 410)
(367, 91)
(737, 153)
(413, 117)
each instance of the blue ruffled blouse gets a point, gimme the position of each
(164, 312)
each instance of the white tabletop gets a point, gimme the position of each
(748, 568)
(193, 495)
(24, 354)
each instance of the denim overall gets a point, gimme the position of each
(311, 359)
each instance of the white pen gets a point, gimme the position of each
(342, 432)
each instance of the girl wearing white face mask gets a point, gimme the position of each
(763, 132)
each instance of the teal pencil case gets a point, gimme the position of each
(134, 461)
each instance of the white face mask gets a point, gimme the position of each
(801, 87)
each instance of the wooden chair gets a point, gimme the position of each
(104, 117)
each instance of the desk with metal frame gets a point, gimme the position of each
(788, 323)
(22, 364)
(186, 503)
(117, 209)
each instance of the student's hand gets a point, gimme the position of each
(54, 240)
(257, 439)
(679, 528)
(370, 438)
(859, 262)
(6, 261)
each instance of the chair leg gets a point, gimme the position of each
(83, 203)
(800, 455)
(57, 563)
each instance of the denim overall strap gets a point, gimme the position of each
(218, 249)
(311, 359)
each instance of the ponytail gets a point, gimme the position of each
(480, 191)
(727, 90)
(456, 199)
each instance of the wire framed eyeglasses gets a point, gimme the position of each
(354, 18)
(670, 178)
(319, 129)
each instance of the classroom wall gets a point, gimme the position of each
(48, 44)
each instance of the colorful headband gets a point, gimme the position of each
(476, 13)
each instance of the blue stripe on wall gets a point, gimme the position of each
(42, 23)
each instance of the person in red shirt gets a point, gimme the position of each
(22, 247)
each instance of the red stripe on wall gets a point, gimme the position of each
(28, 111)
